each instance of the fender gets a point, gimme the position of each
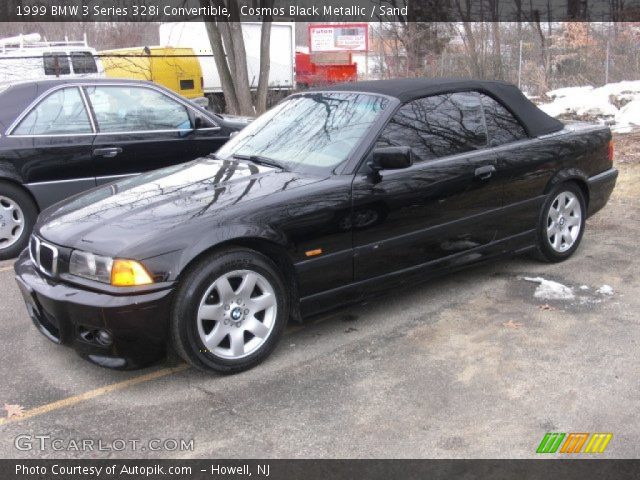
(9, 172)
(178, 255)
(569, 174)
(264, 239)
(229, 234)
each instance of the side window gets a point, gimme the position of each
(56, 64)
(135, 109)
(502, 126)
(83, 62)
(62, 112)
(437, 126)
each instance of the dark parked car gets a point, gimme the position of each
(61, 137)
(329, 197)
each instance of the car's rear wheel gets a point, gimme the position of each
(18, 214)
(562, 222)
(229, 311)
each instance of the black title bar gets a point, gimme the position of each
(318, 10)
(318, 469)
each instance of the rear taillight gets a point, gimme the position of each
(611, 151)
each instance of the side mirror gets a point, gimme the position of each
(391, 158)
(197, 122)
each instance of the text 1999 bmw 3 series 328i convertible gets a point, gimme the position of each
(330, 196)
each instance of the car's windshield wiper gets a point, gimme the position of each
(260, 160)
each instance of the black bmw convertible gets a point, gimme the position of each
(331, 196)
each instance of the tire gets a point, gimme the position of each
(218, 321)
(561, 223)
(18, 214)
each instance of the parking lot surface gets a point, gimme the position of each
(469, 365)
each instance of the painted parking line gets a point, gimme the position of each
(6, 269)
(70, 401)
(74, 400)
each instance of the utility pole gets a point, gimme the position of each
(606, 67)
(520, 67)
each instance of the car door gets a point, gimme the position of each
(52, 144)
(139, 129)
(440, 207)
(523, 164)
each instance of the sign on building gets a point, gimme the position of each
(353, 37)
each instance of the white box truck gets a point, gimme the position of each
(194, 35)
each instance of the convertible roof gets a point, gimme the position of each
(535, 121)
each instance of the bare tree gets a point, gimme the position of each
(265, 63)
(229, 53)
(417, 42)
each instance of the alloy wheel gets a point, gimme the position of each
(564, 221)
(11, 222)
(237, 314)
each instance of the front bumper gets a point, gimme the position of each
(136, 325)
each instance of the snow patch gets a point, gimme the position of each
(628, 117)
(580, 101)
(605, 290)
(601, 104)
(550, 290)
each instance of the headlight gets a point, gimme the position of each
(88, 265)
(117, 272)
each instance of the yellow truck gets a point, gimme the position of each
(175, 68)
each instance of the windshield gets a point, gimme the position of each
(313, 133)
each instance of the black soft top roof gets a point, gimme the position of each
(535, 121)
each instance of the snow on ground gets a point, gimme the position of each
(617, 104)
(550, 290)
(605, 290)
(628, 117)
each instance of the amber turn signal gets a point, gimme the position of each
(127, 273)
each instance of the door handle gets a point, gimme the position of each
(485, 172)
(107, 152)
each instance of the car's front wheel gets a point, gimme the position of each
(229, 311)
(562, 222)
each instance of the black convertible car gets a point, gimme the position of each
(61, 137)
(331, 196)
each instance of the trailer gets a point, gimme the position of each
(194, 35)
(325, 68)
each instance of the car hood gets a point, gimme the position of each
(112, 219)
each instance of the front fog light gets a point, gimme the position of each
(126, 273)
(104, 338)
